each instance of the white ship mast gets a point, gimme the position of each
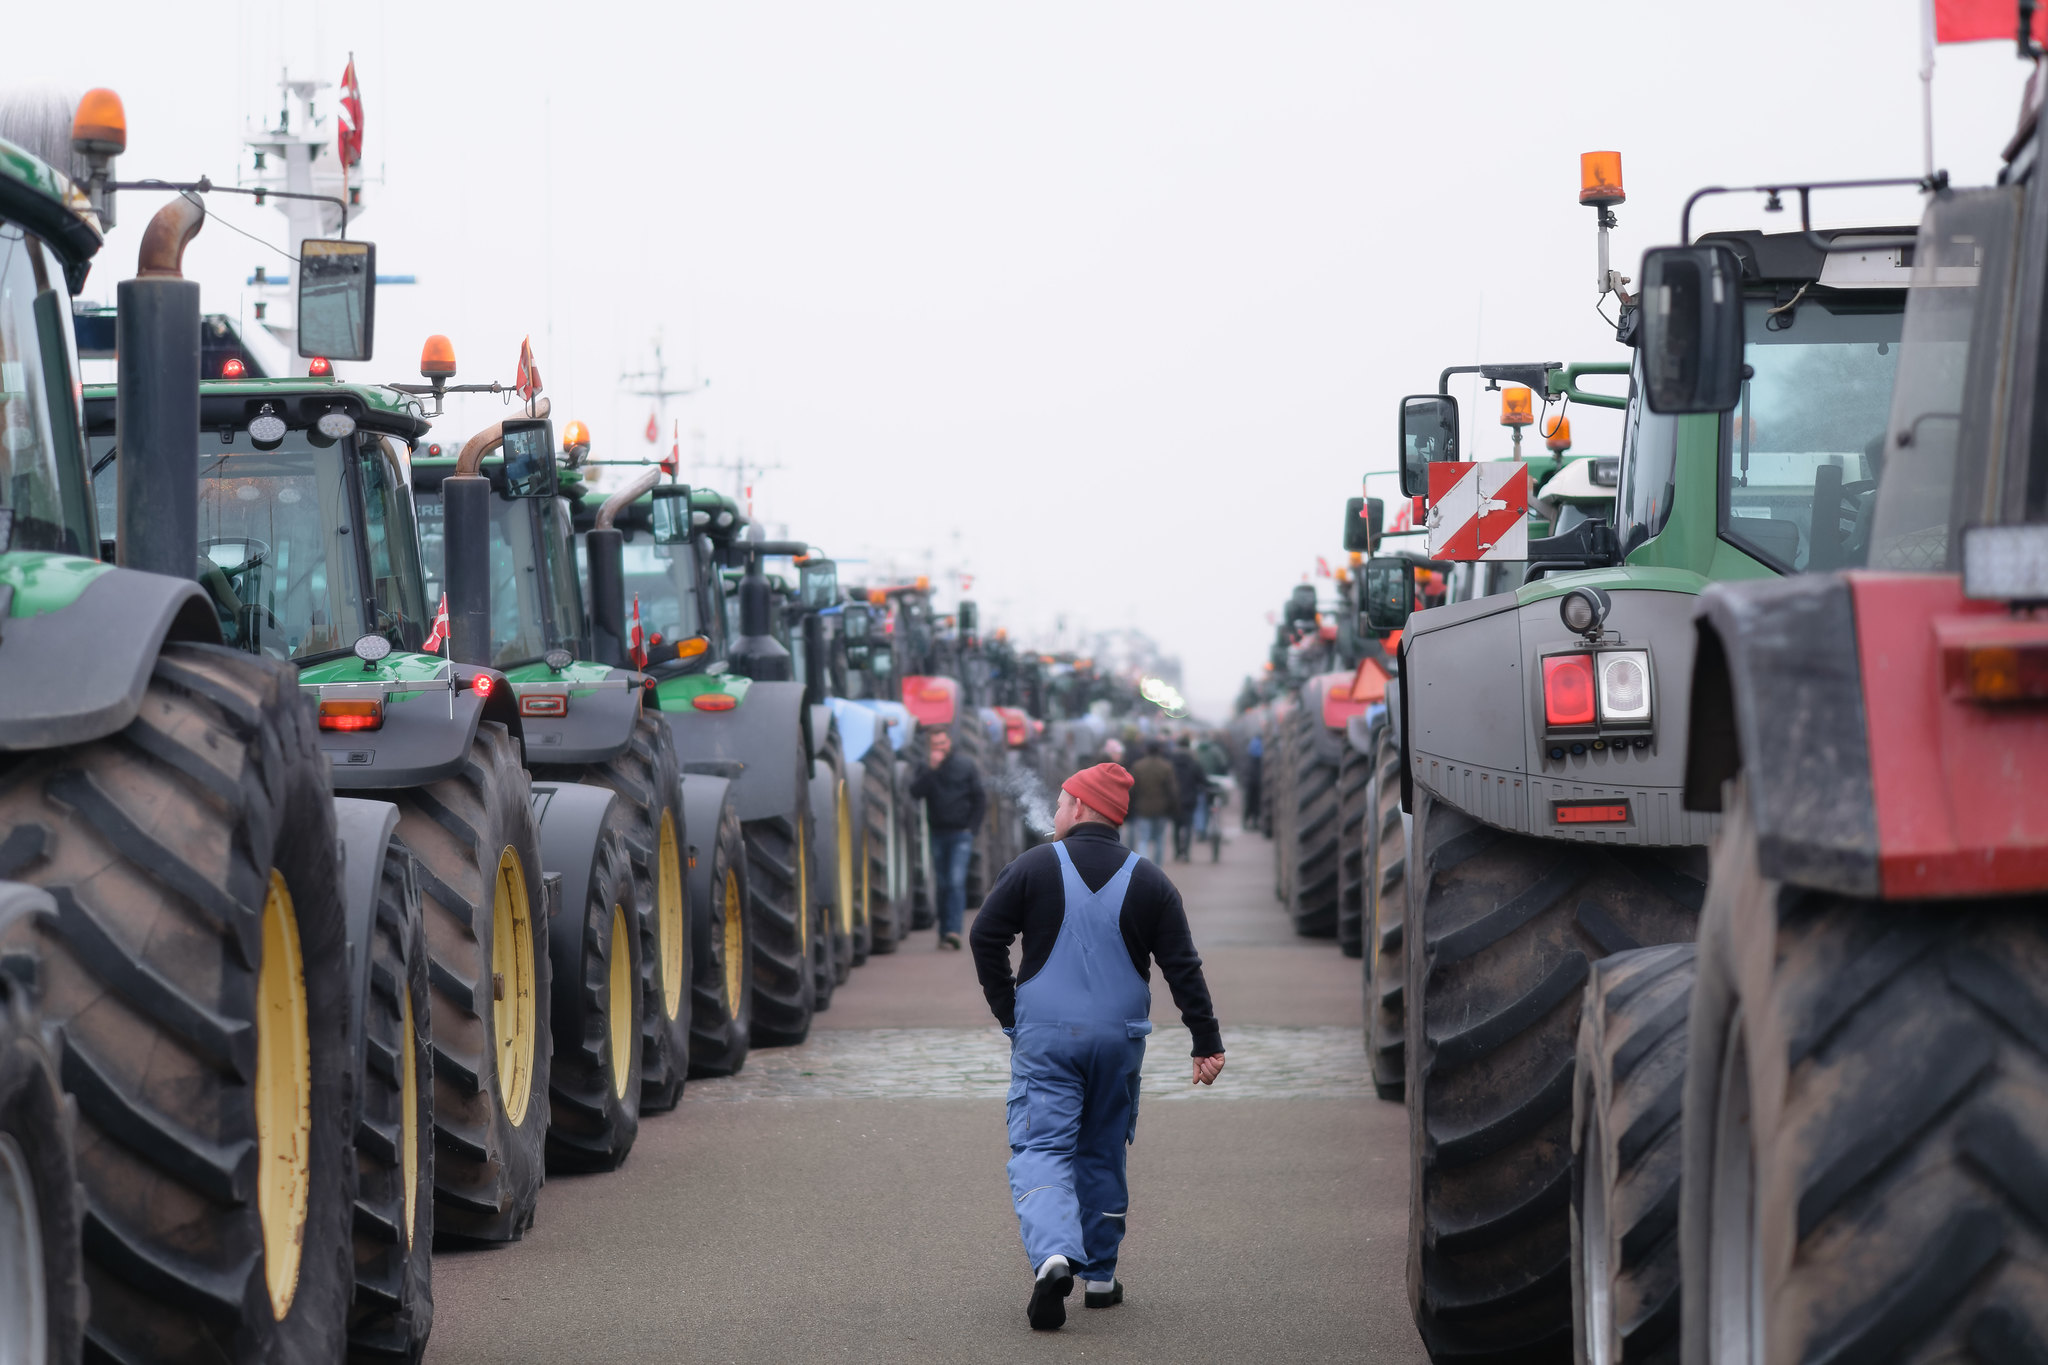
(298, 154)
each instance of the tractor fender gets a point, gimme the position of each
(418, 742)
(704, 800)
(598, 726)
(1325, 743)
(819, 733)
(364, 830)
(1777, 694)
(1473, 717)
(571, 816)
(78, 674)
(761, 745)
(859, 726)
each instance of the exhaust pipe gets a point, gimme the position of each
(605, 547)
(156, 408)
(466, 543)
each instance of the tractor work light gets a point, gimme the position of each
(1624, 685)
(352, 715)
(2006, 563)
(714, 701)
(437, 358)
(1568, 692)
(100, 127)
(1584, 611)
(266, 429)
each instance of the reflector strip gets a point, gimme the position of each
(351, 715)
(715, 701)
(1603, 813)
(544, 704)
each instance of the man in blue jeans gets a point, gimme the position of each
(954, 803)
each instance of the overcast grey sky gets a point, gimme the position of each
(1109, 304)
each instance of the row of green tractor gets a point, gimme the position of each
(1694, 843)
(386, 825)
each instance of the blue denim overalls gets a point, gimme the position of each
(1074, 1059)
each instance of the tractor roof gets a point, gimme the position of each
(44, 201)
(231, 402)
(1795, 258)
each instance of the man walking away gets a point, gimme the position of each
(1192, 784)
(1155, 799)
(1093, 916)
(953, 804)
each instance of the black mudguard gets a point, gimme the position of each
(1777, 694)
(364, 830)
(72, 676)
(598, 727)
(571, 816)
(822, 724)
(419, 741)
(704, 798)
(760, 745)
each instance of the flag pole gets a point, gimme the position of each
(1927, 85)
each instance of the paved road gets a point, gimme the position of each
(845, 1201)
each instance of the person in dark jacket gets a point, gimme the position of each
(1193, 785)
(1093, 916)
(954, 803)
(1155, 799)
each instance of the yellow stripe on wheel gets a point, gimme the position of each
(619, 1007)
(669, 927)
(284, 1098)
(512, 1003)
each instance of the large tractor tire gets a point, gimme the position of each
(1866, 1144)
(1386, 970)
(888, 891)
(1354, 806)
(477, 853)
(917, 852)
(1626, 1155)
(195, 970)
(785, 922)
(42, 1282)
(838, 873)
(722, 933)
(1504, 929)
(1315, 833)
(393, 1309)
(594, 1080)
(646, 776)
(1280, 774)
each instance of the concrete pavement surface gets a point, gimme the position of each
(846, 1201)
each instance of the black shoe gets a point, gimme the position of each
(1048, 1307)
(1107, 1298)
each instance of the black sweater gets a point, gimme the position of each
(1029, 899)
(952, 793)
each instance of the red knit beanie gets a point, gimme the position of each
(1105, 788)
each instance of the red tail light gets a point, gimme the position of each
(351, 715)
(714, 701)
(483, 684)
(233, 368)
(319, 368)
(544, 704)
(1568, 689)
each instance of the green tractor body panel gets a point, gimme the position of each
(680, 694)
(39, 581)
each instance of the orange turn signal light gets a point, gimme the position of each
(1557, 433)
(351, 715)
(1517, 406)
(923, 584)
(1994, 659)
(932, 694)
(437, 358)
(1600, 179)
(100, 127)
(714, 701)
(692, 647)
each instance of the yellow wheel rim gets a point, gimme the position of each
(618, 1008)
(668, 900)
(735, 944)
(845, 862)
(866, 873)
(512, 1004)
(284, 1098)
(409, 1121)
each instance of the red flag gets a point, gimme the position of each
(526, 380)
(439, 634)
(348, 139)
(635, 641)
(675, 451)
(1976, 21)
(1322, 567)
(653, 431)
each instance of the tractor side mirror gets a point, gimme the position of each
(967, 618)
(1363, 519)
(819, 584)
(337, 299)
(1389, 593)
(529, 457)
(669, 514)
(1429, 434)
(1692, 329)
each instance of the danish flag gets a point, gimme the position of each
(438, 636)
(1479, 510)
(348, 141)
(526, 380)
(636, 641)
(653, 431)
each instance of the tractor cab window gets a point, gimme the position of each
(558, 551)
(42, 477)
(288, 540)
(1649, 464)
(535, 603)
(1944, 420)
(663, 580)
(1803, 449)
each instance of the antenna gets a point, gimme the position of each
(654, 384)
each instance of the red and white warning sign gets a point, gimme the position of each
(1479, 511)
